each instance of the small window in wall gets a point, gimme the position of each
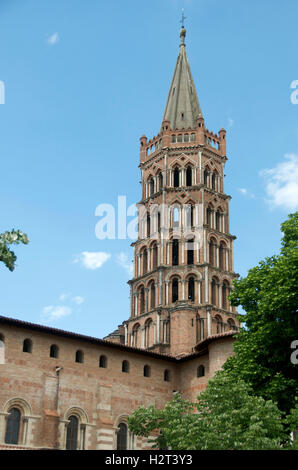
(27, 346)
(147, 371)
(125, 366)
(72, 433)
(122, 437)
(166, 375)
(54, 351)
(13, 426)
(80, 356)
(201, 371)
(103, 362)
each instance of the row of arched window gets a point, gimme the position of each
(178, 217)
(183, 138)
(147, 258)
(182, 177)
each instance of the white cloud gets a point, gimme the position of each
(281, 183)
(246, 193)
(123, 260)
(51, 313)
(54, 39)
(230, 122)
(78, 299)
(92, 260)
(63, 297)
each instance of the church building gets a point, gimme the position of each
(63, 390)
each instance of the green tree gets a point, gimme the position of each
(7, 256)
(227, 417)
(269, 297)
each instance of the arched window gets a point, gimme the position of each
(222, 251)
(148, 225)
(209, 216)
(142, 300)
(145, 261)
(151, 186)
(152, 295)
(191, 289)
(225, 293)
(122, 437)
(190, 251)
(231, 324)
(176, 217)
(103, 362)
(219, 324)
(190, 209)
(217, 220)
(212, 248)
(213, 180)
(125, 366)
(206, 177)
(80, 356)
(13, 426)
(54, 351)
(175, 295)
(176, 177)
(154, 256)
(72, 433)
(201, 371)
(160, 181)
(27, 346)
(175, 252)
(148, 333)
(189, 176)
(214, 291)
(166, 375)
(147, 371)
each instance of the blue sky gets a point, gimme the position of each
(83, 81)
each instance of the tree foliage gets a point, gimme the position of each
(263, 349)
(7, 256)
(227, 417)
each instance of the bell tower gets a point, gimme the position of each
(183, 257)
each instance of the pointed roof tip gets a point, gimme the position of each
(182, 108)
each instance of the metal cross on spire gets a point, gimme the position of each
(183, 18)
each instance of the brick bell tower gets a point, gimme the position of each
(183, 257)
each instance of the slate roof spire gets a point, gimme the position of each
(183, 107)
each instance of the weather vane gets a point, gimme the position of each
(183, 18)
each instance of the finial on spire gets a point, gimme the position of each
(183, 18)
(183, 30)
